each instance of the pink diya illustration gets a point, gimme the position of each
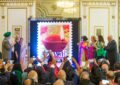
(55, 42)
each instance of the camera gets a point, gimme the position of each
(105, 82)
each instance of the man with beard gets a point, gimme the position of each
(6, 47)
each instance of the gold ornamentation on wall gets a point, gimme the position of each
(99, 2)
(84, 17)
(49, 9)
(17, 1)
(3, 17)
(113, 17)
(54, 7)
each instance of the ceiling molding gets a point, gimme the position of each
(14, 1)
(99, 2)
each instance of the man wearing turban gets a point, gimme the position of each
(6, 47)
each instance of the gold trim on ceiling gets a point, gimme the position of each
(4, 1)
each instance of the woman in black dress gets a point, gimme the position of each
(17, 48)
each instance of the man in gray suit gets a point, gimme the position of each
(6, 47)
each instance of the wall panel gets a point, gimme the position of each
(17, 17)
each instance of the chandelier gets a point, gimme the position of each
(65, 4)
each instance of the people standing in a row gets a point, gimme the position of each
(19, 52)
(96, 50)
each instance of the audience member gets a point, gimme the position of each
(111, 77)
(8, 66)
(59, 82)
(16, 75)
(62, 75)
(33, 75)
(85, 79)
(0, 55)
(27, 82)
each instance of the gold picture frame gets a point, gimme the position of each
(17, 30)
(99, 30)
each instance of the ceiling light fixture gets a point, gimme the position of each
(70, 10)
(65, 4)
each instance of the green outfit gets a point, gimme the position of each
(19, 77)
(6, 49)
(101, 53)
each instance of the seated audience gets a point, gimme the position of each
(67, 74)
(117, 79)
(16, 75)
(85, 79)
(31, 82)
(2, 69)
(0, 55)
(33, 75)
(8, 66)
(27, 82)
(59, 82)
(111, 77)
(29, 67)
(62, 75)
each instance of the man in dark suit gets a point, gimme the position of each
(111, 49)
(6, 47)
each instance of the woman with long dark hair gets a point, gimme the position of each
(100, 52)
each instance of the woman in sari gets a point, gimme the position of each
(83, 51)
(92, 50)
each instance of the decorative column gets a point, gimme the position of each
(84, 27)
(113, 19)
(30, 10)
(3, 16)
(2, 21)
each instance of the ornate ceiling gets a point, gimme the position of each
(16, 1)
